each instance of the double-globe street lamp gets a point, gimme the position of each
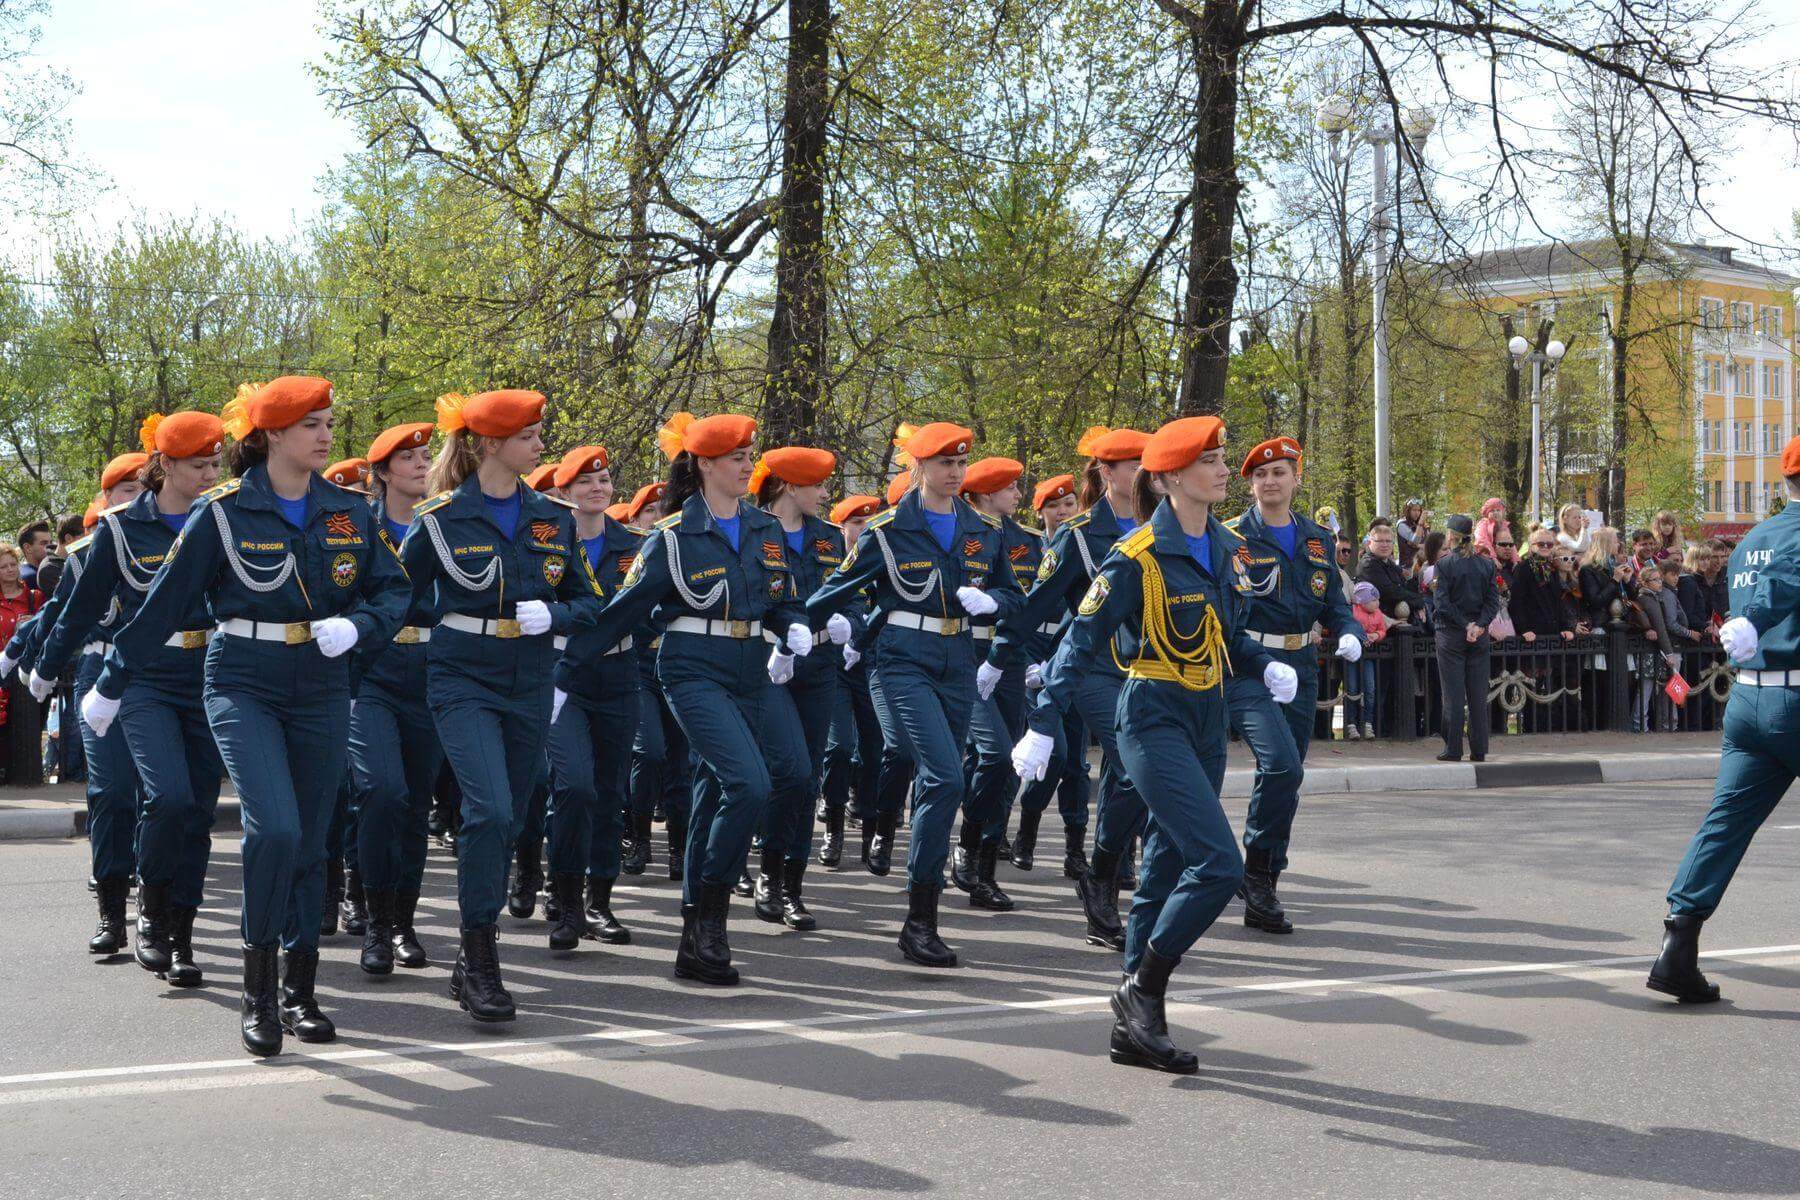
(1548, 357)
(1337, 116)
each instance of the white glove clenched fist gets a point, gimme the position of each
(40, 687)
(1281, 681)
(799, 639)
(335, 635)
(1738, 636)
(838, 629)
(1031, 757)
(533, 617)
(1350, 647)
(781, 665)
(976, 602)
(98, 712)
(987, 678)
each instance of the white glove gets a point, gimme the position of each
(335, 635)
(533, 617)
(1349, 648)
(1031, 757)
(40, 687)
(799, 639)
(558, 698)
(1034, 676)
(852, 656)
(1737, 635)
(1281, 681)
(781, 666)
(976, 602)
(98, 712)
(7, 663)
(838, 629)
(987, 678)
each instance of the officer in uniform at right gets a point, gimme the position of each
(1760, 755)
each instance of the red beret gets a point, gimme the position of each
(352, 472)
(897, 487)
(620, 512)
(580, 461)
(939, 437)
(281, 402)
(1273, 450)
(183, 435)
(710, 437)
(1112, 445)
(1180, 442)
(1790, 457)
(988, 476)
(122, 468)
(1053, 488)
(645, 496)
(542, 477)
(801, 466)
(852, 507)
(400, 437)
(498, 414)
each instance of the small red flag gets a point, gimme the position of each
(1677, 689)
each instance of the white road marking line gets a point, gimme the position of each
(304, 1065)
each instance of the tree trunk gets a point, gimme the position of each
(1212, 279)
(795, 375)
(1513, 474)
(1612, 491)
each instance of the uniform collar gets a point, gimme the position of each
(697, 516)
(1171, 538)
(142, 508)
(468, 501)
(255, 492)
(617, 536)
(1252, 524)
(1103, 520)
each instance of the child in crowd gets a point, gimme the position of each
(1361, 700)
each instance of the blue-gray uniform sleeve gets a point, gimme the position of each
(1048, 601)
(578, 597)
(382, 600)
(27, 641)
(845, 586)
(190, 567)
(83, 607)
(1776, 595)
(785, 612)
(645, 586)
(1116, 593)
(1003, 585)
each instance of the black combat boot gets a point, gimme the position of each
(636, 859)
(678, 835)
(1024, 855)
(986, 893)
(571, 921)
(183, 971)
(1676, 971)
(109, 935)
(378, 933)
(794, 913)
(261, 1018)
(919, 940)
(746, 884)
(831, 849)
(1127, 872)
(705, 952)
(1140, 1036)
(768, 887)
(521, 900)
(408, 952)
(475, 984)
(1262, 907)
(1075, 863)
(881, 849)
(334, 896)
(154, 916)
(1099, 893)
(300, 1013)
(963, 868)
(601, 924)
(356, 905)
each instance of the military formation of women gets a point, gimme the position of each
(479, 609)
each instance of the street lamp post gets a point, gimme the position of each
(1336, 115)
(1549, 356)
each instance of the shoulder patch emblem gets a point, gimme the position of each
(1048, 566)
(343, 570)
(1318, 585)
(553, 569)
(1095, 598)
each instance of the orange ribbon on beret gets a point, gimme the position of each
(939, 437)
(798, 466)
(580, 461)
(121, 468)
(1273, 450)
(1053, 488)
(852, 507)
(1180, 442)
(989, 475)
(400, 437)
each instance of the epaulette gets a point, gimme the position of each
(81, 543)
(990, 518)
(1080, 519)
(884, 517)
(1240, 538)
(1137, 543)
(433, 503)
(668, 522)
(1233, 523)
(633, 530)
(107, 512)
(223, 490)
(555, 499)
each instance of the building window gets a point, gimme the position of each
(1743, 497)
(1712, 313)
(1712, 375)
(1773, 376)
(1743, 313)
(1717, 503)
(1715, 436)
(1771, 321)
(1743, 437)
(1771, 438)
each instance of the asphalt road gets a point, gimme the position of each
(1461, 1012)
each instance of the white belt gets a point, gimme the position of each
(189, 639)
(1769, 678)
(412, 635)
(96, 647)
(621, 648)
(1285, 641)
(983, 633)
(560, 642)
(946, 626)
(499, 627)
(293, 633)
(1049, 627)
(737, 631)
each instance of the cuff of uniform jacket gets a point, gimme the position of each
(113, 678)
(562, 618)
(1044, 717)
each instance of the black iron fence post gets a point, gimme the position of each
(1406, 701)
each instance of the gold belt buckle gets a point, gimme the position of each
(507, 627)
(952, 626)
(408, 636)
(193, 639)
(297, 633)
(737, 629)
(1294, 641)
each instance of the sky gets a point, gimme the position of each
(207, 106)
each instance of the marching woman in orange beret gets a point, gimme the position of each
(112, 780)
(789, 484)
(716, 575)
(932, 564)
(290, 572)
(395, 755)
(1169, 602)
(500, 565)
(163, 718)
(662, 781)
(853, 750)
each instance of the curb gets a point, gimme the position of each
(36, 824)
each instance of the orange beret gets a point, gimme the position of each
(801, 466)
(1180, 442)
(710, 437)
(91, 517)
(498, 414)
(122, 468)
(281, 402)
(1790, 457)
(1273, 450)
(939, 437)
(852, 507)
(183, 434)
(619, 512)
(400, 437)
(897, 487)
(1112, 445)
(1053, 488)
(352, 472)
(645, 496)
(988, 476)
(580, 461)
(542, 477)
